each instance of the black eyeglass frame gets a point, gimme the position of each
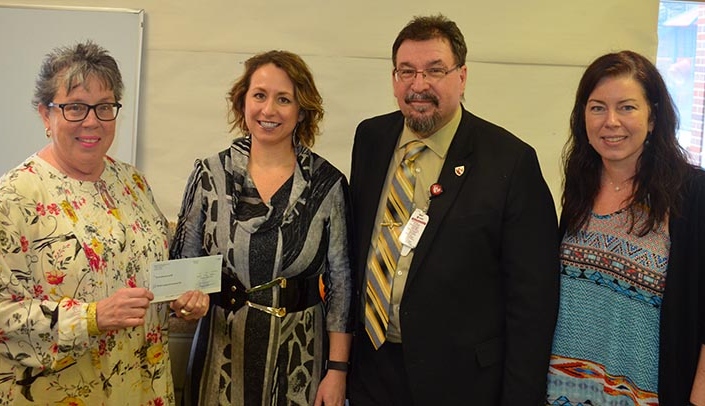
(89, 107)
(424, 73)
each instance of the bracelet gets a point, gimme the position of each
(337, 365)
(92, 319)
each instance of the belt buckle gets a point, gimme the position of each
(281, 281)
(274, 311)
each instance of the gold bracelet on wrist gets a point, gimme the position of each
(92, 319)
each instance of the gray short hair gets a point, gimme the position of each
(70, 66)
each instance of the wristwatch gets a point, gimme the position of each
(337, 365)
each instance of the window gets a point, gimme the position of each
(681, 61)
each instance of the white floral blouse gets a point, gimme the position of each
(63, 244)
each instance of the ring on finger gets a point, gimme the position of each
(185, 312)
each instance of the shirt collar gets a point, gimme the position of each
(438, 142)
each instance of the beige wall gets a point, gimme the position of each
(525, 58)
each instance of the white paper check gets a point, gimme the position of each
(171, 279)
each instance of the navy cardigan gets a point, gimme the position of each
(682, 310)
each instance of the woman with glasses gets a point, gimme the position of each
(276, 211)
(78, 232)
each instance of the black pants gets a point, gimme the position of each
(378, 377)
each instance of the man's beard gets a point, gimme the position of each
(423, 125)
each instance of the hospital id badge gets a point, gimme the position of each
(411, 234)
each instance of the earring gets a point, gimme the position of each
(648, 136)
(294, 138)
(47, 132)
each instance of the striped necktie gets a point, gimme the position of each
(383, 261)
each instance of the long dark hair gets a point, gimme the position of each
(661, 168)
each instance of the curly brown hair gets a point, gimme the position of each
(305, 91)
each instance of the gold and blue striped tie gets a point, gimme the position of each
(383, 261)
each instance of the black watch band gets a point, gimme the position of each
(337, 365)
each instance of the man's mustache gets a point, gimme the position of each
(411, 97)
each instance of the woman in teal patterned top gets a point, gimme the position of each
(628, 330)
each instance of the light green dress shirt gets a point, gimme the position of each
(428, 167)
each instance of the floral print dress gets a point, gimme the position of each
(63, 244)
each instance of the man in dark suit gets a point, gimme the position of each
(459, 309)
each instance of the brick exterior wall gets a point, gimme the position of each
(696, 140)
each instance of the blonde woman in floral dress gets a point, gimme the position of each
(78, 232)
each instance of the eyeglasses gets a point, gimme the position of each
(75, 112)
(430, 75)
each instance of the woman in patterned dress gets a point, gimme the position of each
(78, 232)
(276, 211)
(630, 323)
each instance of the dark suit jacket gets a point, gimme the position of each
(480, 303)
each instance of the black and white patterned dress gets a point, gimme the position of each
(250, 357)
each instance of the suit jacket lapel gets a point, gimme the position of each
(455, 170)
(379, 153)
